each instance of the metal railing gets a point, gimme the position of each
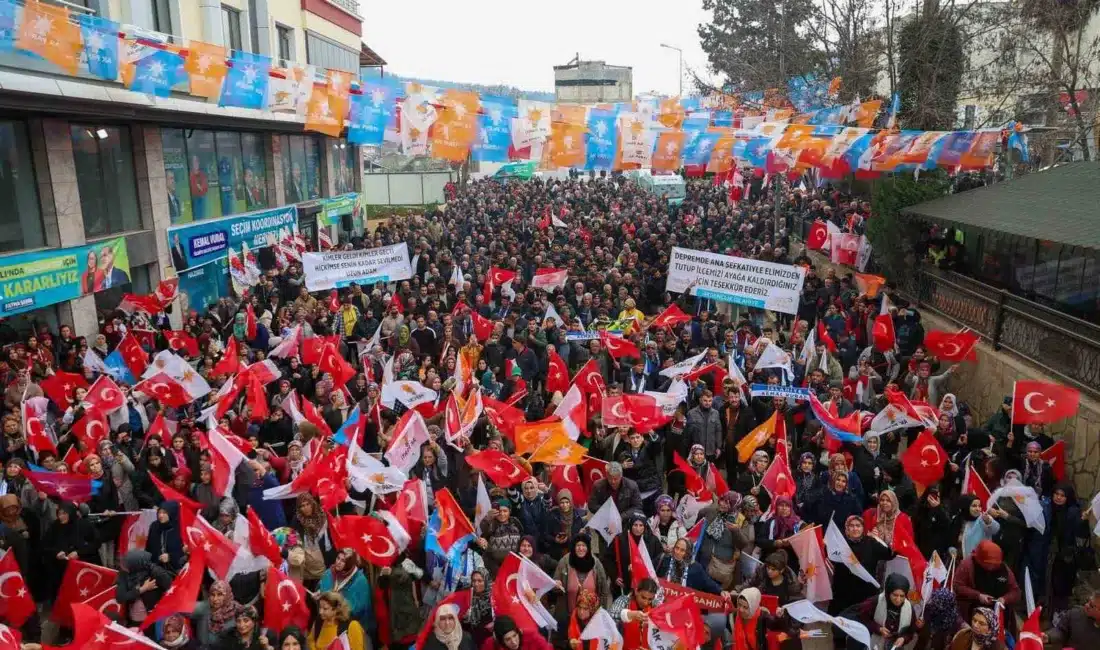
(351, 6)
(1060, 344)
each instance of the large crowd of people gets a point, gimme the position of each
(456, 332)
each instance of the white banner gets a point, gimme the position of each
(739, 280)
(337, 269)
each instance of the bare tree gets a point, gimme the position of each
(849, 34)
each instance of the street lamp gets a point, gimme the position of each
(680, 54)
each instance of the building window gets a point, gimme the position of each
(213, 174)
(104, 161)
(162, 16)
(21, 220)
(231, 28)
(301, 167)
(326, 53)
(285, 37)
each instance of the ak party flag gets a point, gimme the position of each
(372, 112)
(494, 129)
(48, 32)
(601, 139)
(100, 45)
(246, 81)
(7, 26)
(158, 71)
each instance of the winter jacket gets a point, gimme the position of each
(704, 427)
(164, 539)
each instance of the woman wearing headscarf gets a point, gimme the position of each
(500, 535)
(508, 636)
(163, 539)
(839, 463)
(216, 614)
(884, 519)
(69, 537)
(616, 557)
(848, 588)
(478, 620)
(1068, 532)
(577, 572)
(805, 480)
(748, 482)
(723, 540)
(139, 586)
(941, 621)
(1037, 473)
(984, 578)
(347, 579)
(563, 522)
(587, 605)
(664, 524)
(949, 405)
(933, 524)
(447, 633)
(678, 567)
(334, 619)
(528, 548)
(748, 621)
(176, 635)
(889, 617)
(312, 528)
(970, 525)
(489, 384)
(292, 639)
(783, 524)
(246, 633)
(867, 461)
(1013, 525)
(17, 536)
(981, 634)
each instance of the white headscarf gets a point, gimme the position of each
(454, 637)
(954, 411)
(752, 597)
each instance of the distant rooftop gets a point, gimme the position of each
(483, 89)
(578, 63)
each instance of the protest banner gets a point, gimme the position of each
(33, 280)
(707, 602)
(336, 269)
(739, 280)
(205, 241)
(775, 390)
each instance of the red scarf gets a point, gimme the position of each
(744, 633)
(635, 633)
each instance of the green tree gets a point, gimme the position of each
(930, 70)
(892, 237)
(754, 45)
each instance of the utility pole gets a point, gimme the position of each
(680, 68)
(777, 217)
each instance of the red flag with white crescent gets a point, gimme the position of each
(287, 602)
(81, 582)
(499, 467)
(366, 535)
(16, 602)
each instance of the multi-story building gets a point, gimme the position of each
(592, 82)
(84, 160)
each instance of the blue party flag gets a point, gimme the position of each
(699, 146)
(117, 368)
(100, 45)
(601, 139)
(723, 118)
(494, 129)
(371, 112)
(347, 431)
(7, 26)
(157, 72)
(246, 82)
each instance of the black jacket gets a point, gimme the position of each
(164, 539)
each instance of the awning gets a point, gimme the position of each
(1061, 205)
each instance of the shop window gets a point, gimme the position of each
(301, 167)
(343, 157)
(213, 174)
(21, 221)
(104, 161)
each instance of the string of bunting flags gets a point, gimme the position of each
(764, 130)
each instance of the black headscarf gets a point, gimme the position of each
(581, 564)
(502, 625)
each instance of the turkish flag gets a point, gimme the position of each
(906, 546)
(641, 564)
(104, 396)
(1031, 635)
(883, 331)
(692, 481)
(167, 290)
(230, 362)
(16, 602)
(590, 380)
(502, 416)
(452, 417)
(80, 582)
(557, 375)
(592, 470)
(260, 540)
(818, 235)
(366, 535)
(507, 597)
(90, 429)
(845, 248)
(777, 479)
(334, 364)
(680, 617)
(65, 486)
(618, 347)
(333, 302)
(37, 438)
(136, 358)
(483, 327)
(1056, 456)
(1043, 402)
(285, 601)
(200, 538)
(165, 390)
(824, 338)
(181, 341)
(312, 348)
(672, 316)
(925, 459)
(568, 477)
(12, 639)
(453, 523)
(257, 399)
(168, 493)
(313, 416)
(973, 484)
(182, 596)
(549, 279)
(60, 386)
(500, 277)
(642, 412)
(946, 346)
(499, 467)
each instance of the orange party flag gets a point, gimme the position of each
(456, 127)
(566, 147)
(321, 115)
(206, 66)
(668, 152)
(531, 435)
(867, 113)
(559, 450)
(671, 113)
(721, 158)
(48, 31)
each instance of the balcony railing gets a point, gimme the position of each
(350, 6)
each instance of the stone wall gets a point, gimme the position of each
(983, 386)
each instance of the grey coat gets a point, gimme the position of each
(705, 428)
